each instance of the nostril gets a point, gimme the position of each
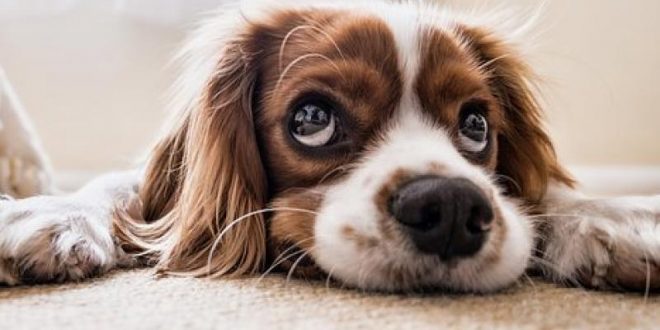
(414, 214)
(480, 220)
(419, 204)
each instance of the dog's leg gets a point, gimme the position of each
(59, 238)
(607, 243)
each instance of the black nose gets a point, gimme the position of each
(449, 217)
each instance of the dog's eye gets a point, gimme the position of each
(473, 131)
(313, 124)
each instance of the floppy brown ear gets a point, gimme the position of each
(526, 155)
(203, 177)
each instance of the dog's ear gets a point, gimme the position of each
(205, 177)
(526, 157)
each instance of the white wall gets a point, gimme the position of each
(93, 80)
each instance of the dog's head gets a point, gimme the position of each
(389, 146)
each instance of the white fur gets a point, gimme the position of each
(57, 238)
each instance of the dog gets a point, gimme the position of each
(386, 146)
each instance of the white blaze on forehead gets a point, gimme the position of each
(405, 27)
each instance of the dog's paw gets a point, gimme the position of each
(621, 260)
(606, 244)
(53, 239)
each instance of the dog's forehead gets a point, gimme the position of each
(404, 46)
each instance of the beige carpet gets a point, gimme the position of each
(135, 300)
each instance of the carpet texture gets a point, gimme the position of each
(136, 300)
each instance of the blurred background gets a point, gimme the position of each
(93, 75)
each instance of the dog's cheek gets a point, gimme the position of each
(291, 233)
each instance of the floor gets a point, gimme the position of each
(136, 300)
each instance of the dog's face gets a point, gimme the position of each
(387, 131)
(390, 145)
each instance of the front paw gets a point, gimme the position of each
(606, 244)
(51, 239)
(621, 260)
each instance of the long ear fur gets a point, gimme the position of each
(526, 156)
(205, 175)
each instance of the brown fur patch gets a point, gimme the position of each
(526, 156)
(450, 77)
(362, 241)
(353, 62)
(388, 225)
(291, 235)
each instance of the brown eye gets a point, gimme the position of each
(473, 130)
(313, 124)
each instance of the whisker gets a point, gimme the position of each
(233, 223)
(300, 59)
(296, 263)
(531, 282)
(509, 179)
(545, 263)
(338, 169)
(301, 27)
(483, 67)
(284, 42)
(327, 280)
(293, 246)
(362, 275)
(553, 267)
(283, 259)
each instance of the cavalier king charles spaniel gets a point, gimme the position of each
(387, 146)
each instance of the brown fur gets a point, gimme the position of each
(204, 176)
(526, 154)
(291, 231)
(450, 77)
